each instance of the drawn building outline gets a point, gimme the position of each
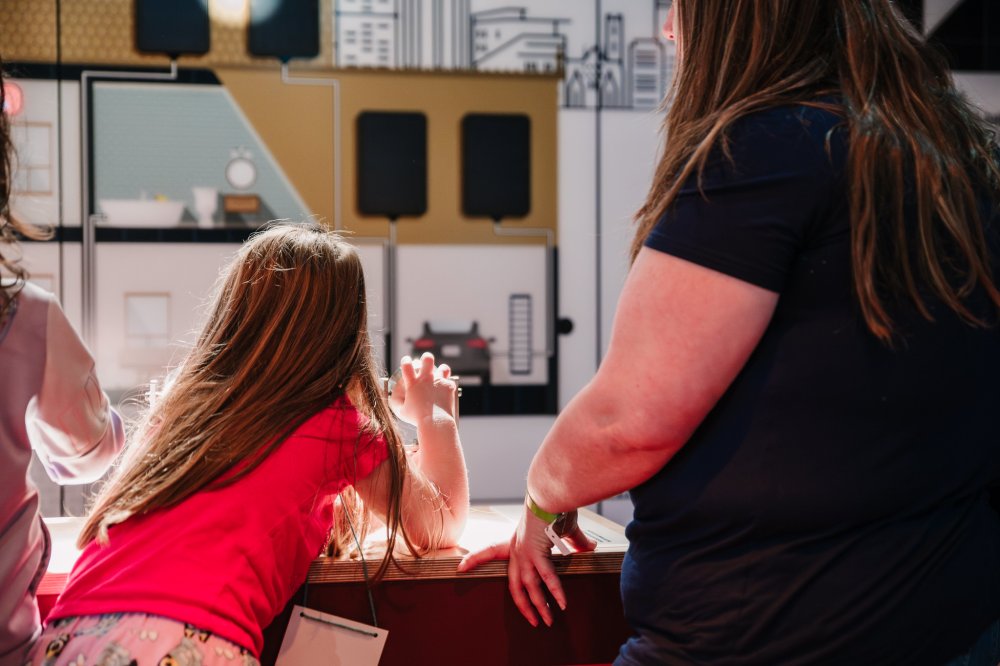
(615, 72)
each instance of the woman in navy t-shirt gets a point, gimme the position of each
(802, 382)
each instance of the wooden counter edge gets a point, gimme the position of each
(326, 570)
(607, 559)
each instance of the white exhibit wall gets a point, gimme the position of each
(373, 259)
(629, 146)
(936, 11)
(184, 275)
(983, 90)
(578, 239)
(498, 450)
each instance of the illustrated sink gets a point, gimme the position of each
(142, 212)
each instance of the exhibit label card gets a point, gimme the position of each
(315, 638)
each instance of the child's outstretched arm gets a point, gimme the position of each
(435, 497)
(70, 424)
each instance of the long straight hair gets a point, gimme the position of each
(10, 261)
(286, 335)
(906, 124)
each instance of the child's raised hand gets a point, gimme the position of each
(427, 391)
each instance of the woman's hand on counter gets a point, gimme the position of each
(528, 552)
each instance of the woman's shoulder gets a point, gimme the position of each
(790, 126)
(799, 137)
(815, 117)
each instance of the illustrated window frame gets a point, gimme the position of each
(24, 170)
(135, 341)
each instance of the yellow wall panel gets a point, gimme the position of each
(296, 124)
(28, 30)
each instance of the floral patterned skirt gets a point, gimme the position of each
(132, 639)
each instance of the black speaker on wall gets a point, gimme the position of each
(174, 27)
(496, 165)
(284, 29)
(392, 164)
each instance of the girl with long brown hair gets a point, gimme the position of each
(50, 403)
(225, 494)
(800, 389)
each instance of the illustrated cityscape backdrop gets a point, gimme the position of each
(619, 66)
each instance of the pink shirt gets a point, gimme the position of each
(228, 560)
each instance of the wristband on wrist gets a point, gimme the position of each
(545, 516)
(555, 523)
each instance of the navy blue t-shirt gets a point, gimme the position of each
(833, 508)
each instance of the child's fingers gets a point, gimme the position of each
(427, 364)
(406, 369)
(496, 551)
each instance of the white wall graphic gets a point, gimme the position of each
(479, 284)
(611, 51)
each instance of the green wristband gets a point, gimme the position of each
(545, 516)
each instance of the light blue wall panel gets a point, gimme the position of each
(166, 138)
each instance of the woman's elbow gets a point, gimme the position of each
(647, 441)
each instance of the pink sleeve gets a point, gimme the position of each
(70, 424)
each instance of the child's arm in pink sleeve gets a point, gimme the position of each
(70, 423)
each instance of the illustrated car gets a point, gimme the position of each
(460, 345)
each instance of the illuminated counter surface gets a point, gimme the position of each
(437, 616)
(64, 554)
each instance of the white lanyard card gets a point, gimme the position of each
(321, 639)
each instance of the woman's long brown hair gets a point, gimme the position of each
(286, 335)
(10, 261)
(906, 124)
